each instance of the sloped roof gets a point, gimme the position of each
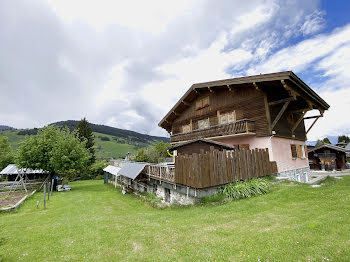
(112, 170)
(226, 146)
(298, 84)
(347, 148)
(132, 169)
(338, 148)
(12, 169)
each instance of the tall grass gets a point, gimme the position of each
(245, 189)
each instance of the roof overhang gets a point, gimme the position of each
(337, 148)
(207, 141)
(296, 84)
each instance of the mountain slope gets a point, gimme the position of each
(109, 141)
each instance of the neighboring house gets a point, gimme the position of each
(327, 158)
(347, 150)
(262, 111)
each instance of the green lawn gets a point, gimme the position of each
(95, 222)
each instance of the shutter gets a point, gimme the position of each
(306, 154)
(205, 101)
(203, 123)
(245, 146)
(186, 128)
(294, 151)
(223, 118)
(231, 117)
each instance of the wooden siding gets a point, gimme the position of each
(247, 102)
(215, 168)
(196, 147)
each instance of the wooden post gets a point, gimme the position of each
(52, 182)
(44, 196)
(48, 190)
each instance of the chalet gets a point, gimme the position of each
(327, 158)
(254, 112)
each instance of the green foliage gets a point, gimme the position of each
(53, 150)
(245, 189)
(152, 154)
(216, 198)
(141, 156)
(104, 138)
(96, 169)
(6, 154)
(344, 139)
(84, 132)
(323, 142)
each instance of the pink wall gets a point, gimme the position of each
(279, 149)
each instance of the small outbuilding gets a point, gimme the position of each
(196, 145)
(327, 157)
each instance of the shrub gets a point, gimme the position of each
(104, 138)
(245, 189)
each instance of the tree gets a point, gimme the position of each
(152, 154)
(322, 142)
(53, 150)
(344, 139)
(84, 131)
(6, 154)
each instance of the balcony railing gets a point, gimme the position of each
(161, 172)
(326, 155)
(237, 127)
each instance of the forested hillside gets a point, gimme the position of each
(109, 141)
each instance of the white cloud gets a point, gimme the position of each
(125, 63)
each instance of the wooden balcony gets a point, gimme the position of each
(326, 156)
(238, 127)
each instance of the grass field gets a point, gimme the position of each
(95, 222)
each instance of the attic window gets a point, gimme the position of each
(202, 103)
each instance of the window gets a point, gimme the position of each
(294, 151)
(203, 102)
(203, 123)
(186, 128)
(227, 117)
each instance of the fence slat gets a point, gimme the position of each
(215, 168)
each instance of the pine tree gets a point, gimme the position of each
(84, 131)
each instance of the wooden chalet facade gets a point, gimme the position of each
(327, 158)
(261, 111)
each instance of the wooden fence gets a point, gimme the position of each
(216, 167)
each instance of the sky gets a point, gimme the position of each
(126, 63)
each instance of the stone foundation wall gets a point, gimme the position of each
(175, 196)
(299, 174)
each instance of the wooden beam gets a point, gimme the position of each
(298, 121)
(185, 103)
(280, 113)
(310, 117)
(281, 101)
(268, 115)
(289, 89)
(175, 113)
(229, 88)
(299, 110)
(256, 86)
(210, 90)
(312, 125)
